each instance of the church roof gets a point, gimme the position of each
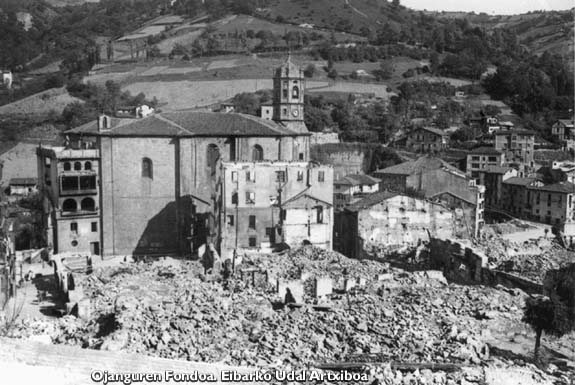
(289, 69)
(189, 124)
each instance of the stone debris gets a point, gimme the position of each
(168, 309)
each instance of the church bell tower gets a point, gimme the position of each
(288, 100)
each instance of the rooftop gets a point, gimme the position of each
(514, 132)
(560, 187)
(188, 124)
(425, 163)
(517, 181)
(497, 170)
(371, 200)
(356, 180)
(433, 130)
(23, 181)
(566, 122)
(485, 150)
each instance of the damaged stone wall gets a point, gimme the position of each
(397, 221)
(468, 265)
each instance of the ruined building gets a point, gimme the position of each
(162, 178)
(391, 219)
(437, 180)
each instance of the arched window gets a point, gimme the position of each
(88, 204)
(257, 153)
(212, 158)
(77, 166)
(67, 166)
(295, 92)
(147, 168)
(69, 205)
(88, 166)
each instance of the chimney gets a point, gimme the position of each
(104, 123)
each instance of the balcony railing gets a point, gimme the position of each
(90, 191)
(78, 213)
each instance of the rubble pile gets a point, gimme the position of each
(530, 260)
(169, 309)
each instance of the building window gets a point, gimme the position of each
(69, 205)
(94, 227)
(299, 176)
(548, 199)
(234, 176)
(492, 159)
(285, 110)
(88, 204)
(74, 243)
(67, 166)
(88, 182)
(252, 241)
(321, 176)
(147, 168)
(474, 165)
(88, 166)
(250, 197)
(257, 153)
(283, 215)
(295, 92)
(285, 93)
(235, 198)
(301, 156)
(230, 221)
(77, 166)
(252, 222)
(74, 227)
(319, 214)
(250, 176)
(69, 183)
(280, 176)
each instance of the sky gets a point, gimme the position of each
(500, 7)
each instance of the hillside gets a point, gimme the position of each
(45, 102)
(347, 15)
(538, 31)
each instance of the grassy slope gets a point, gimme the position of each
(552, 30)
(326, 13)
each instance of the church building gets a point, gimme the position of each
(163, 178)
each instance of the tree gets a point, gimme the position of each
(395, 3)
(309, 71)
(332, 74)
(385, 71)
(317, 119)
(247, 103)
(555, 314)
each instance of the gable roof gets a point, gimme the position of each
(425, 163)
(356, 180)
(189, 124)
(432, 130)
(372, 200)
(517, 131)
(485, 150)
(303, 195)
(566, 122)
(497, 170)
(560, 187)
(517, 181)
